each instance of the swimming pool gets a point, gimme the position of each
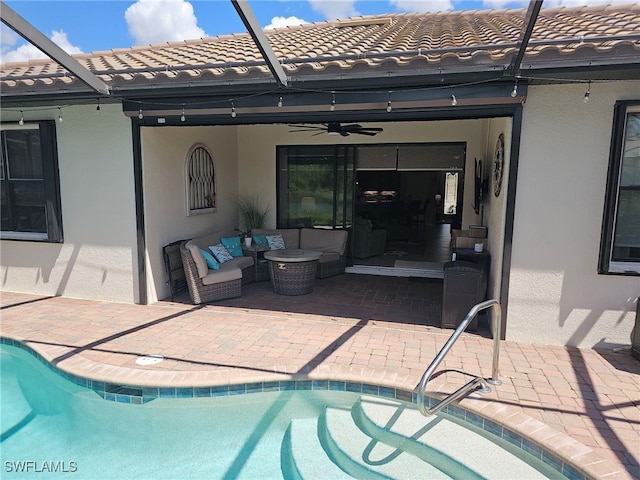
(63, 427)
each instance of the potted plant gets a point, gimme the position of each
(252, 214)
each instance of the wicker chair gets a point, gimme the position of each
(332, 244)
(201, 293)
(329, 269)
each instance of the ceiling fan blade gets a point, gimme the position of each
(336, 128)
(359, 129)
(365, 132)
(304, 128)
(352, 127)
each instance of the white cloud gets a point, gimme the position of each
(7, 36)
(501, 4)
(278, 22)
(159, 21)
(27, 51)
(578, 3)
(332, 9)
(423, 5)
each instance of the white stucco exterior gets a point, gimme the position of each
(164, 157)
(98, 212)
(555, 295)
(495, 208)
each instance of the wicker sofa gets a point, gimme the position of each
(207, 285)
(332, 244)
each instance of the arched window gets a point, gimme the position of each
(201, 181)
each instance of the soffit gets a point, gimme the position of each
(397, 44)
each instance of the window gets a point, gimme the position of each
(315, 186)
(201, 185)
(450, 193)
(620, 244)
(30, 186)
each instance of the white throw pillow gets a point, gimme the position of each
(276, 242)
(221, 253)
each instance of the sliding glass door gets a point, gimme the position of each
(315, 186)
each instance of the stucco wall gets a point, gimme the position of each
(555, 294)
(98, 213)
(257, 152)
(164, 158)
(254, 174)
(495, 207)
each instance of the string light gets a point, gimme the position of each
(98, 107)
(177, 106)
(587, 94)
(280, 102)
(182, 117)
(514, 93)
(60, 119)
(21, 122)
(233, 110)
(389, 108)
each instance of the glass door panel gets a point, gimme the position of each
(315, 186)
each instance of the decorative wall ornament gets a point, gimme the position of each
(498, 165)
(481, 185)
(200, 181)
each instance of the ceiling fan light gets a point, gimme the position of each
(334, 129)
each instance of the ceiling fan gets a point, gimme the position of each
(335, 128)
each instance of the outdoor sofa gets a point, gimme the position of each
(367, 241)
(332, 244)
(206, 284)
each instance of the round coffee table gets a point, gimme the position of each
(292, 271)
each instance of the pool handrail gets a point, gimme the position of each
(478, 383)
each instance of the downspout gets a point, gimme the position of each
(141, 245)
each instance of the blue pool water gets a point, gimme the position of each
(53, 428)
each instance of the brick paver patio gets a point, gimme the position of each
(585, 404)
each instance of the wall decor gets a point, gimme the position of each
(498, 165)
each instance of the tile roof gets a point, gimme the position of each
(429, 43)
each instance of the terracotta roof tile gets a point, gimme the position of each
(400, 41)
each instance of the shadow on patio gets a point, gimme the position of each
(406, 300)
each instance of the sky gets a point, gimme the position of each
(85, 26)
